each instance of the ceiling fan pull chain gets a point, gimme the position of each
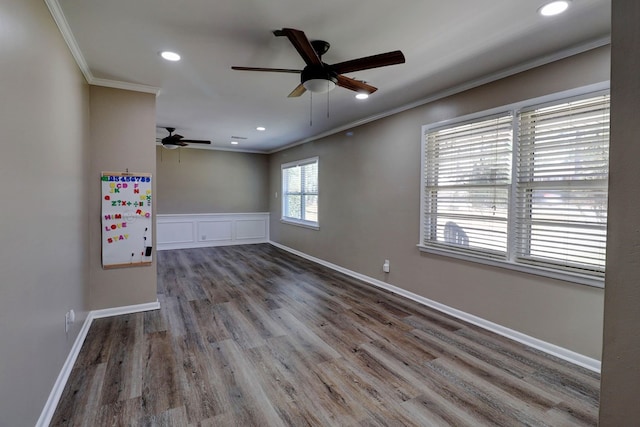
(310, 108)
(328, 90)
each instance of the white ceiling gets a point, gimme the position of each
(447, 44)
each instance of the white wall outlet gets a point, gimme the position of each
(69, 318)
(385, 266)
(203, 237)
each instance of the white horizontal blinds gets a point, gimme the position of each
(562, 186)
(310, 191)
(292, 192)
(467, 181)
(300, 190)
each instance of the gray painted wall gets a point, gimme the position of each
(203, 181)
(620, 361)
(44, 117)
(122, 137)
(369, 211)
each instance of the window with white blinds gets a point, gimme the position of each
(526, 188)
(467, 183)
(561, 202)
(300, 192)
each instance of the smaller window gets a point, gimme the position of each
(300, 192)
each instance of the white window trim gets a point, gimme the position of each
(294, 221)
(300, 223)
(511, 264)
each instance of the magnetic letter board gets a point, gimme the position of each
(126, 219)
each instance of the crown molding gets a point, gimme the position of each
(124, 85)
(63, 26)
(216, 148)
(537, 62)
(67, 35)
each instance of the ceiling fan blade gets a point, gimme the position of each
(196, 141)
(274, 70)
(355, 85)
(300, 41)
(298, 91)
(368, 62)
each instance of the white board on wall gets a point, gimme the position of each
(126, 219)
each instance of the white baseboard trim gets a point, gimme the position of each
(56, 392)
(127, 309)
(552, 349)
(63, 376)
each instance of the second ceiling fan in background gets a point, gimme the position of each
(174, 140)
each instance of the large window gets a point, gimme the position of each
(300, 192)
(525, 188)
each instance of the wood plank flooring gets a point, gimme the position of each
(254, 336)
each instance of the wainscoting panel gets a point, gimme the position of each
(247, 229)
(183, 231)
(177, 232)
(215, 230)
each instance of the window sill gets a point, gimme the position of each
(539, 271)
(300, 223)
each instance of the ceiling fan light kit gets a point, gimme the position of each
(319, 85)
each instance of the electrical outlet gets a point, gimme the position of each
(203, 237)
(69, 318)
(385, 266)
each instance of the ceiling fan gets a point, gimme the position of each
(174, 140)
(318, 77)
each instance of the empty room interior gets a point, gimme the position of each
(319, 213)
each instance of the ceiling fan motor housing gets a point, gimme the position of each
(318, 72)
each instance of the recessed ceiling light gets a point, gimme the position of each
(362, 96)
(261, 128)
(554, 8)
(170, 56)
(234, 143)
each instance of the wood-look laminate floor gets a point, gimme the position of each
(253, 336)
